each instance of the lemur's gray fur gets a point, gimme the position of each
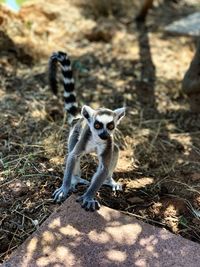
(91, 131)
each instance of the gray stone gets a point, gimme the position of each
(189, 25)
(72, 237)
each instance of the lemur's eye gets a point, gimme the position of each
(98, 125)
(110, 125)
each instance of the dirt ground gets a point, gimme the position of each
(116, 62)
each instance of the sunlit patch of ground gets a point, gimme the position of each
(159, 164)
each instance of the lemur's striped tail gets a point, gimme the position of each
(68, 82)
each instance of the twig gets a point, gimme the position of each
(2, 185)
(143, 218)
(186, 185)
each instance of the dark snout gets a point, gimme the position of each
(104, 135)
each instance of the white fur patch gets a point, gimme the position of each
(90, 146)
(61, 57)
(69, 105)
(66, 68)
(104, 118)
(67, 94)
(67, 81)
(95, 144)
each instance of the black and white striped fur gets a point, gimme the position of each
(68, 82)
(91, 131)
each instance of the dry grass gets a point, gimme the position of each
(108, 8)
(159, 138)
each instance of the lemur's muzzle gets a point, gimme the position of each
(104, 135)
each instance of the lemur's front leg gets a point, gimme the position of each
(87, 200)
(64, 191)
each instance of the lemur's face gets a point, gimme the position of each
(103, 122)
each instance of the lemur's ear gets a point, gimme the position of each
(120, 113)
(87, 112)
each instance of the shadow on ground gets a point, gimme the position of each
(159, 138)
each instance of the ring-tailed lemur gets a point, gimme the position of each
(91, 131)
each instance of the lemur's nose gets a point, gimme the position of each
(104, 135)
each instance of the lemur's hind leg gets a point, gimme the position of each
(109, 180)
(76, 177)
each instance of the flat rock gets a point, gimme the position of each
(189, 25)
(74, 237)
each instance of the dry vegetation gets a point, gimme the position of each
(115, 62)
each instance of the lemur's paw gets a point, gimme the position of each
(88, 203)
(114, 185)
(78, 180)
(61, 194)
